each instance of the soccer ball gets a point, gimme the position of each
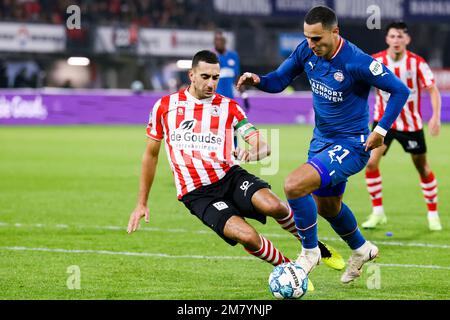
(288, 281)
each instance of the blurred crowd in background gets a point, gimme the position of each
(258, 35)
(145, 13)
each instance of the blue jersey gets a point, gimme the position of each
(229, 71)
(340, 88)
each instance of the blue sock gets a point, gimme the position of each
(305, 217)
(346, 227)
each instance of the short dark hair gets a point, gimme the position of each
(322, 14)
(205, 56)
(397, 25)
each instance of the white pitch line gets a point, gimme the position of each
(207, 231)
(165, 255)
(411, 266)
(125, 253)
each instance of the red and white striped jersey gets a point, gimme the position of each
(416, 74)
(199, 136)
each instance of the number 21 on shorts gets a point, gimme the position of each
(337, 153)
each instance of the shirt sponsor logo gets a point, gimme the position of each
(183, 138)
(325, 91)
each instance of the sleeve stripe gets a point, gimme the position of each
(380, 130)
(241, 123)
(154, 127)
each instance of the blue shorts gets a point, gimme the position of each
(335, 162)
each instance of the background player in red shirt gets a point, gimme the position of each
(408, 128)
(209, 181)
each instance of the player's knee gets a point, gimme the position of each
(293, 188)
(250, 240)
(424, 171)
(372, 166)
(274, 208)
(328, 210)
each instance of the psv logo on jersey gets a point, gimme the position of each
(338, 76)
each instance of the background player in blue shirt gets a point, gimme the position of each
(341, 76)
(230, 68)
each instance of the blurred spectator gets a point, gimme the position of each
(21, 80)
(145, 13)
(3, 76)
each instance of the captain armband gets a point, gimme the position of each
(246, 130)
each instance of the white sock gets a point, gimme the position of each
(378, 210)
(313, 250)
(433, 214)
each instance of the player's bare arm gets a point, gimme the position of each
(149, 163)
(259, 150)
(249, 79)
(434, 125)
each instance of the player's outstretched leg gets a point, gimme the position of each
(298, 187)
(256, 244)
(268, 203)
(331, 257)
(363, 254)
(238, 230)
(345, 225)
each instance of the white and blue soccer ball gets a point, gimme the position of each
(288, 281)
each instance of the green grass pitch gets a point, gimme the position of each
(66, 194)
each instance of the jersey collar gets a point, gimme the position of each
(199, 101)
(339, 47)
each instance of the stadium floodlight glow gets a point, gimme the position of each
(78, 61)
(184, 64)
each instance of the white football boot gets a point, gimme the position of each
(434, 223)
(309, 259)
(363, 254)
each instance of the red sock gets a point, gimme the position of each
(269, 253)
(374, 186)
(430, 189)
(288, 224)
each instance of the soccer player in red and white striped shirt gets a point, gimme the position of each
(408, 128)
(198, 127)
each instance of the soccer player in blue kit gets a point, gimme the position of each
(229, 65)
(230, 68)
(341, 76)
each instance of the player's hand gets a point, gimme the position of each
(434, 126)
(139, 212)
(241, 155)
(375, 140)
(249, 79)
